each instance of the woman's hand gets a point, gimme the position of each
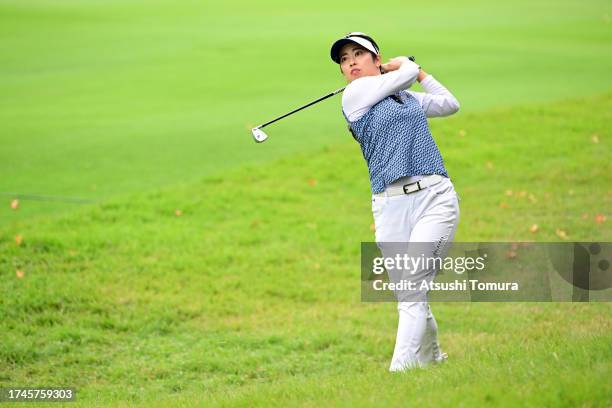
(393, 64)
(422, 75)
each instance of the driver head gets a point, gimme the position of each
(259, 135)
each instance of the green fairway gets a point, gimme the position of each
(106, 98)
(211, 270)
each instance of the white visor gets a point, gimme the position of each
(335, 49)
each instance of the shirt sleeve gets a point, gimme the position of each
(363, 93)
(436, 100)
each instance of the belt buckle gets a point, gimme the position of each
(406, 186)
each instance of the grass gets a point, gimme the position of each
(107, 98)
(214, 271)
(251, 295)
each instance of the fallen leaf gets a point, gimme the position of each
(503, 204)
(372, 227)
(600, 218)
(312, 182)
(522, 193)
(511, 254)
(462, 133)
(532, 198)
(18, 239)
(509, 193)
(15, 204)
(595, 138)
(178, 213)
(585, 216)
(534, 228)
(20, 274)
(254, 223)
(570, 192)
(317, 266)
(489, 165)
(561, 234)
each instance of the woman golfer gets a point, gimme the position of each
(413, 198)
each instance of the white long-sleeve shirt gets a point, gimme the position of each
(365, 92)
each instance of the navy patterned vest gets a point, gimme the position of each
(396, 142)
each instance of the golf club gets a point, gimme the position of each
(260, 136)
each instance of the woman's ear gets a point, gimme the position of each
(378, 63)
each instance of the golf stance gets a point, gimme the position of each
(413, 198)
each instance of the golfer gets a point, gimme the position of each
(413, 198)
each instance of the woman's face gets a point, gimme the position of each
(356, 62)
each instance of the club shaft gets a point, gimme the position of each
(303, 107)
(337, 91)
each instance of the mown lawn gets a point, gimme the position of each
(100, 98)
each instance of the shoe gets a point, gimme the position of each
(441, 358)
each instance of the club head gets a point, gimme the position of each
(259, 135)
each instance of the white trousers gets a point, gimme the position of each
(430, 215)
